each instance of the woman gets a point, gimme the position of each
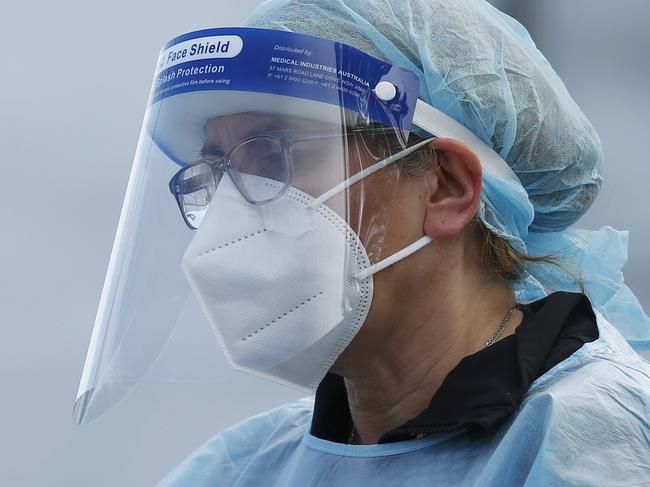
(479, 362)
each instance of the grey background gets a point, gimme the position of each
(74, 81)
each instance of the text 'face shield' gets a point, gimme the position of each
(260, 191)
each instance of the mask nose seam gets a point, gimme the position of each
(234, 241)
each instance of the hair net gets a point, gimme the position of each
(481, 67)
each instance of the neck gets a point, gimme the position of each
(392, 372)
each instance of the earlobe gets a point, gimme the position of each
(453, 199)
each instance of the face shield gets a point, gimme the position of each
(260, 193)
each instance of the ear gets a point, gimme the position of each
(456, 190)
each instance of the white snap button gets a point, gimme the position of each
(385, 91)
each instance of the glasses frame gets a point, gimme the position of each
(223, 164)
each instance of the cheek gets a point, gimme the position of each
(385, 210)
(319, 174)
(374, 211)
(405, 222)
(366, 212)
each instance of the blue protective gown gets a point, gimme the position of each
(585, 422)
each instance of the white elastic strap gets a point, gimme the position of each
(397, 256)
(442, 125)
(367, 172)
(406, 251)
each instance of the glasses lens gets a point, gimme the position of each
(262, 157)
(196, 187)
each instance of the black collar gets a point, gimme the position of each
(485, 388)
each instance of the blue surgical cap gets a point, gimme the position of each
(481, 67)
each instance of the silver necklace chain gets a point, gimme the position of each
(502, 326)
(354, 434)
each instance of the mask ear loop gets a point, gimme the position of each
(406, 251)
(343, 185)
(396, 257)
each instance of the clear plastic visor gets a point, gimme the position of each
(250, 148)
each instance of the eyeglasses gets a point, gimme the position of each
(276, 157)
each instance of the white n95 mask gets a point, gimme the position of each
(285, 285)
